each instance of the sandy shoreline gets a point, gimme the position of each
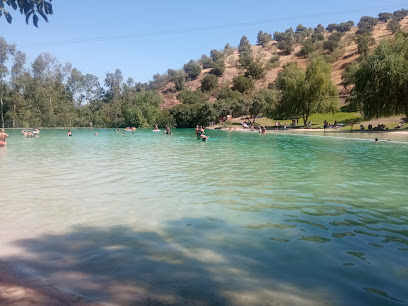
(272, 129)
(20, 289)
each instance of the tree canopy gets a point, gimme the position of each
(306, 92)
(381, 81)
(28, 8)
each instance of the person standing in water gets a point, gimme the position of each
(69, 134)
(3, 136)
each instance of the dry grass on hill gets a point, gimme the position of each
(264, 54)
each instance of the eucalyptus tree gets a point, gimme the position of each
(114, 83)
(17, 84)
(28, 8)
(49, 99)
(5, 51)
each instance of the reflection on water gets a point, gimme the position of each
(243, 218)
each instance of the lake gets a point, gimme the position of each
(242, 219)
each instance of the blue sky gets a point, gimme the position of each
(145, 38)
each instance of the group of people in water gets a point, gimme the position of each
(30, 134)
(200, 133)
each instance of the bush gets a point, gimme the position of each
(384, 16)
(178, 77)
(287, 46)
(330, 45)
(274, 59)
(319, 29)
(254, 70)
(218, 67)
(243, 84)
(393, 26)
(206, 62)
(228, 50)
(263, 38)
(399, 15)
(192, 69)
(307, 48)
(317, 37)
(209, 83)
(364, 42)
(187, 96)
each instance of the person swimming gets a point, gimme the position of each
(3, 136)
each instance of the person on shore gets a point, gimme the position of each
(284, 126)
(69, 134)
(3, 136)
(252, 128)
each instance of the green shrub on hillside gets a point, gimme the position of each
(263, 38)
(206, 62)
(364, 42)
(393, 26)
(399, 15)
(254, 70)
(384, 16)
(187, 96)
(243, 84)
(209, 83)
(192, 69)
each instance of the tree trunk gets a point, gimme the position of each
(1, 111)
(305, 118)
(14, 117)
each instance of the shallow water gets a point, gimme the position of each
(240, 219)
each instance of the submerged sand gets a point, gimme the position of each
(20, 289)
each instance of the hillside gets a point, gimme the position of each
(262, 55)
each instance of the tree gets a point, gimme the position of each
(384, 16)
(306, 92)
(245, 52)
(5, 51)
(230, 101)
(381, 82)
(209, 83)
(206, 62)
(178, 77)
(28, 8)
(399, 15)
(263, 38)
(192, 69)
(254, 70)
(393, 26)
(218, 67)
(264, 101)
(307, 48)
(187, 96)
(364, 42)
(228, 50)
(243, 84)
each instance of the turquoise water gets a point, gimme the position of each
(240, 219)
